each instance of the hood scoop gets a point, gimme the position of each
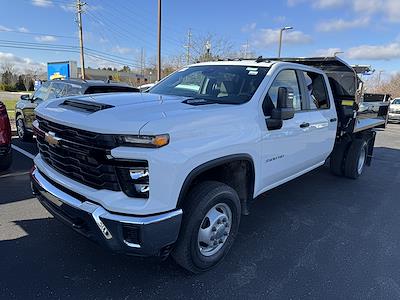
(85, 106)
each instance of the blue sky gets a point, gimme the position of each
(366, 30)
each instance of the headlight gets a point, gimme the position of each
(134, 180)
(149, 141)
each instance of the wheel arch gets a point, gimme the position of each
(241, 164)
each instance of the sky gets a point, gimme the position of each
(365, 30)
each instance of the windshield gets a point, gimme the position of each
(222, 84)
(396, 101)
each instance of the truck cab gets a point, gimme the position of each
(174, 169)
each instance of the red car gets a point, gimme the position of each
(5, 139)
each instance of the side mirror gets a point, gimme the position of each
(26, 97)
(284, 109)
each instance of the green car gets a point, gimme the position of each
(24, 109)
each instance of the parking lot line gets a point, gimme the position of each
(14, 174)
(22, 151)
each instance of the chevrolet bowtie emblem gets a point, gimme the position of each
(50, 137)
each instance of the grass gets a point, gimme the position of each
(10, 105)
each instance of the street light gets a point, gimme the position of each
(337, 52)
(280, 38)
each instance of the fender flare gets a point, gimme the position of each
(212, 164)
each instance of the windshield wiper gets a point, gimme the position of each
(205, 101)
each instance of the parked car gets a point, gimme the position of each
(146, 87)
(394, 110)
(5, 139)
(24, 110)
(176, 171)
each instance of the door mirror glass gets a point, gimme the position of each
(25, 97)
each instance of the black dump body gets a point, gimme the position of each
(347, 91)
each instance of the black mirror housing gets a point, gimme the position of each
(26, 97)
(284, 109)
(285, 103)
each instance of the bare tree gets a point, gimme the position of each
(391, 86)
(8, 77)
(210, 47)
(28, 78)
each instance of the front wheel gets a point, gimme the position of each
(209, 227)
(23, 134)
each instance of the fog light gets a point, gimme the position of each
(134, 180)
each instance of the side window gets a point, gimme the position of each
(73, 90)
(286, 78)
(317, 91)
(56, 90)
(42, 92)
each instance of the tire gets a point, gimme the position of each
(209, 198)
(356, 158)
(23, 134)
(5, 161)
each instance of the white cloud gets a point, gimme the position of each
(249, 27)
(375, 52)
(390, 9)
(266, 37)
(324, 4)
(20, 63)
(23, 29)
(45, 38)
(340, 24)
(320, 4)
(327, 52)
(42, 3)
(122, 50)
(4, 28)
(68, 7)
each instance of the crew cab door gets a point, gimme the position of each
(302, 142)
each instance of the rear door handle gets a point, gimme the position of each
(304, 125)
(333, 120)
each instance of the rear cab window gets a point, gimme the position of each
(316, 90)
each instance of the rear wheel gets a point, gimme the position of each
(23, 134)
(356, 158)
(209, 227)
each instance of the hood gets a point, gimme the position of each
(119, 113)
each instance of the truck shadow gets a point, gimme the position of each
(316, 233)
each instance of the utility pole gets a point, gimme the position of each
(141, 62)
(188, 46)
(79, 5)
(159, 42)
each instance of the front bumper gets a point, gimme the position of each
(135, 235)
(394, 116)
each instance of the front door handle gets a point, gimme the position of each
(304, 125)
(333, 120)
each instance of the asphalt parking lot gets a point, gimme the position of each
(317, 237)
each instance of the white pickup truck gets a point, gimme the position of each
(173, 170)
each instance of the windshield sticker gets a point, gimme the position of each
(253, 73)
(251, 69)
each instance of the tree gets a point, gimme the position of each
(211, 47)
(28, 79)
(8, 78)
